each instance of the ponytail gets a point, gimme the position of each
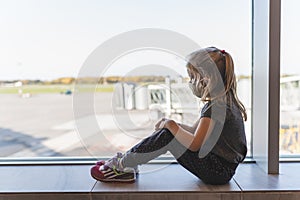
(231, 85)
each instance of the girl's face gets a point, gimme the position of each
(197, 83)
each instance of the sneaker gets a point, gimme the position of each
(106, 174)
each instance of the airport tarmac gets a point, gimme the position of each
(44, 125)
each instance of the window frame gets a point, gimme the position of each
(90, 160)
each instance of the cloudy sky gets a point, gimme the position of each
(46, 39)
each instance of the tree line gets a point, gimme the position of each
(89, 80)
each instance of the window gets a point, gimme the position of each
(45, 43)
(290, 78)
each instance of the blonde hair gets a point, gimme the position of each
(212, 75)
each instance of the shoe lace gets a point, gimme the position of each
(114, 162)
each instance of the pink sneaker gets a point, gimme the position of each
(113, 175)
(113, 171)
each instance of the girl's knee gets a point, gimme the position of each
(166, 133)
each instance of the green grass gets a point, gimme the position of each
(40, 89)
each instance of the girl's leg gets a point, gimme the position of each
(210, 169)
(151, 147)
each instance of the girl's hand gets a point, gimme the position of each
(166, 123)
(160, 124)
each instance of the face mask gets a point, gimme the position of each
(196, 91)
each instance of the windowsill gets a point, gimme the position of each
(78, 161)
(160, 179)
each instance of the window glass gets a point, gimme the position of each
(44, 45)
(289, 81)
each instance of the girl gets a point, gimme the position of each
(213, 147)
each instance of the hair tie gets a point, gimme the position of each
(223, 51)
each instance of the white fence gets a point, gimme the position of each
(172, 98)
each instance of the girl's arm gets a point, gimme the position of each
(188, 128)
(191, 140)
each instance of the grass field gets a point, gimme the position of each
(37, 89)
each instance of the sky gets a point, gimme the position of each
(47, 39)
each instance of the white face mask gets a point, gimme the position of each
(196, 91)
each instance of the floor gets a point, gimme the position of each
(156, 181)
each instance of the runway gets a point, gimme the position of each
(44, 125)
